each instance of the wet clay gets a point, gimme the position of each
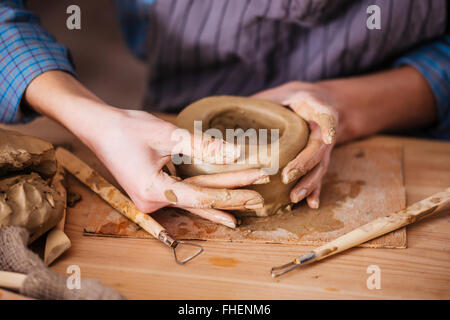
(227, 112)
(28, 201)
(170, 196)
(19, 153)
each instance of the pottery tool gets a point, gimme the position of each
(120, 202)
(57, 241)
(11, 280)
(371, 230)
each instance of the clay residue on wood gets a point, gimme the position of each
(73, 198)
(298, 223)
(96, 182)
(339, 189)
(206, 225)
(301, 222)
(224, 261)
(114, 228)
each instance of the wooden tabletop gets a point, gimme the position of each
(144, 269)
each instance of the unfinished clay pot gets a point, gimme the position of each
(228, 112)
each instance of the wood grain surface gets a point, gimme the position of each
(144, 268)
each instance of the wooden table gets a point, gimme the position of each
(144, 269)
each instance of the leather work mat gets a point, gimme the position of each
(362, 184)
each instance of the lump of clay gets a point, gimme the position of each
(227, 112)
(26, 198)
(28, 201)
(25, 153)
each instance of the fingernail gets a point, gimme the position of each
(226, 221)
(262, 180)
(331, 134)
(229, 224)
(300, 195)
(291, 176)
(314, 204)
(254, 204)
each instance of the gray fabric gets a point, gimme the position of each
(41, 282)
(46, 284)
(210, 47)
(14, 254)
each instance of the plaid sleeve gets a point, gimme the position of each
(433, 61)
(26, 51)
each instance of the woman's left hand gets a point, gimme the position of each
(314, 104)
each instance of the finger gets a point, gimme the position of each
(313, 110)
(307, 159)
(217, 216)
(235, 179)
(171, 168)
(313, 199)
(307, 184)
(306, 104)
(202, 147)
(311, 180)
(192, 196)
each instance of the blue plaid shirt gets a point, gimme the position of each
(27, 50)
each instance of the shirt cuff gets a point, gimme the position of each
(432, 61)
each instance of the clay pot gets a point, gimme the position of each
(250, 115)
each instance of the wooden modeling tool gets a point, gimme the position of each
(57, 241)
(11, 280)
(371, 230)
(120, 202)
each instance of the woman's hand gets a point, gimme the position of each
(135, 146)
(315, 105)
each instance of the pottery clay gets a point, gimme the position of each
(228, 112)
(26, 197)
(19, 152)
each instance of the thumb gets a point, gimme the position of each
(202, 147)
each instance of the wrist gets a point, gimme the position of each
(89, 120)
(349, 122)
(61, 97)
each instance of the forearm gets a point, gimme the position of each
(387, 101)
(59, 96)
